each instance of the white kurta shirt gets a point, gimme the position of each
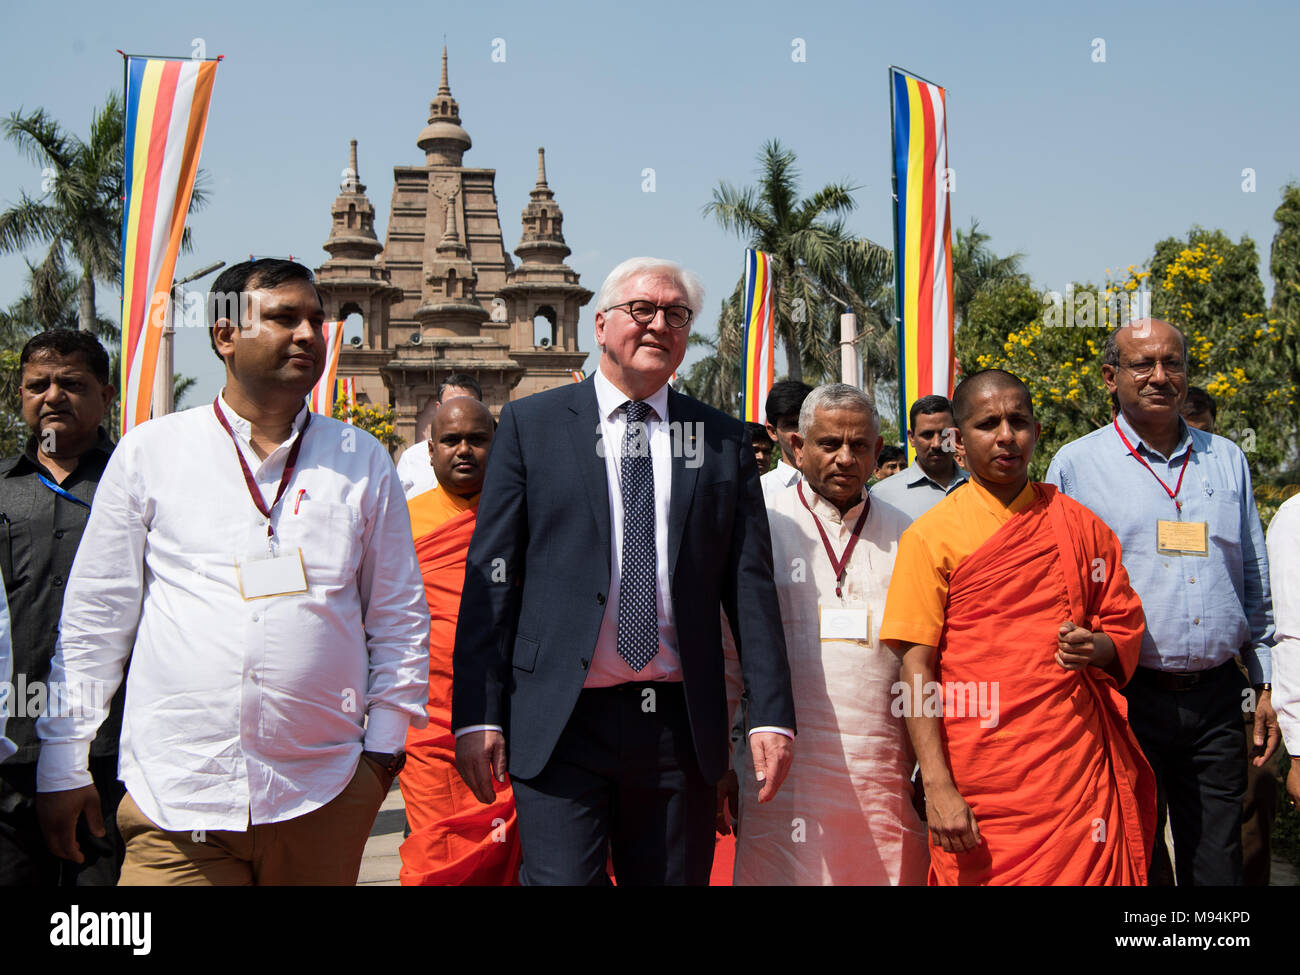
(844, 815)
(236, 710)
(1284, 567)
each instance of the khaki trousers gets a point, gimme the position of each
(322, 847)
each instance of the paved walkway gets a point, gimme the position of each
(380, 863)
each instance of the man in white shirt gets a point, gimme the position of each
(845, 815)
(1284, 569)
(255, 563)
(936, 473)
(782, 410)
(415, 465)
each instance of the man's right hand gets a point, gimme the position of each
(479, 756)
(952, 824)
(58, 813)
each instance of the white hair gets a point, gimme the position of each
(835, 396)
(688, 281)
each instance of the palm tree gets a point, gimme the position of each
(815, 261)
(715, 379)
(79, 214)
(975, 267)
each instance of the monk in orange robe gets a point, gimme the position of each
(454, 838)
(1016, 626)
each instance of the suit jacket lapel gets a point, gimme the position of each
(682, 428)
(588, 459)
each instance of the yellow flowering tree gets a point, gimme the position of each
(1053, 343)
(1210, 288)
(377, 421)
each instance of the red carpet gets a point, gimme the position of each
(724, 858)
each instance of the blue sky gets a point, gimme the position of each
(1080, 165)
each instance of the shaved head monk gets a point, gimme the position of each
(454, 838)
(1016, 627)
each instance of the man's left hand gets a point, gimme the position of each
(1077, 647)
(1267, 733)
(772, 752)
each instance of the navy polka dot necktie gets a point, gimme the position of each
(638, 618)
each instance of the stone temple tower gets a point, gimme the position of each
(441, 294)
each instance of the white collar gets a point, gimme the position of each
(610, 399)
(244, 429)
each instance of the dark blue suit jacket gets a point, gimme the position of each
(537, 577)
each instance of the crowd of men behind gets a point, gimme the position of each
(226, 636)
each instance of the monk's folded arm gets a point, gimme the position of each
(917, 672)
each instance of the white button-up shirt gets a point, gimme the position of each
(237, 710)
(777, 480)
(1284, 564)
(607, 667)
(415, 469)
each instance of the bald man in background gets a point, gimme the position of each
(455, 839)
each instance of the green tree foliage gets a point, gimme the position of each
(79, 211)
(975, 268)
(818, 270)
(1211, 289)
(378, 421)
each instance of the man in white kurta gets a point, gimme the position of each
(845, 814)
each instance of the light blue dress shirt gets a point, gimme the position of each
(1201, 611)
(913, 492)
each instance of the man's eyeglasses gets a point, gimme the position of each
(1145, 368)
(644, 312)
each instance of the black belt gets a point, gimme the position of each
(1167, 680)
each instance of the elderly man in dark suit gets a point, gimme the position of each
(617, 515)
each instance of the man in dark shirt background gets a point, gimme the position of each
(45, 497)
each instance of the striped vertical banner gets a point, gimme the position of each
(347, 391)
(759, 316)
(321, 399)
(922, 241)
(577, 375)
(166, 114)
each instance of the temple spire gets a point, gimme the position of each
(541, 165)
(443, 140)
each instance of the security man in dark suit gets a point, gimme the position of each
(617, 516)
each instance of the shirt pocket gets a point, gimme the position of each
(330, 538)
(1225, 520)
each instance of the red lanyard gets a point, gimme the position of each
(253, 490)
(837, 564)
(1173, 495)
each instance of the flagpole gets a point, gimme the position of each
(898, 270)
(164, 400)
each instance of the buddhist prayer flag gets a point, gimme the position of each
(760, 336)
(577, 375)
(166, 113)
(922, 240)
(321, 399)
(347, 391)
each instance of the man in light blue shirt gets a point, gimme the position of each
(1180, 502)
(916, 489)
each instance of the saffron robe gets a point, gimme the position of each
(844, 814)
(455, 839)
(1057, 782)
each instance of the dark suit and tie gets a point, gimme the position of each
(611, 529)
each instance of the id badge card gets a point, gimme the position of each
(838, 623)
(1183, 537)
(282, 575)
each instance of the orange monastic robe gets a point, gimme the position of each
(455, 839)
(1044, 756)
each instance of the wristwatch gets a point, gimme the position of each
(392, 764)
